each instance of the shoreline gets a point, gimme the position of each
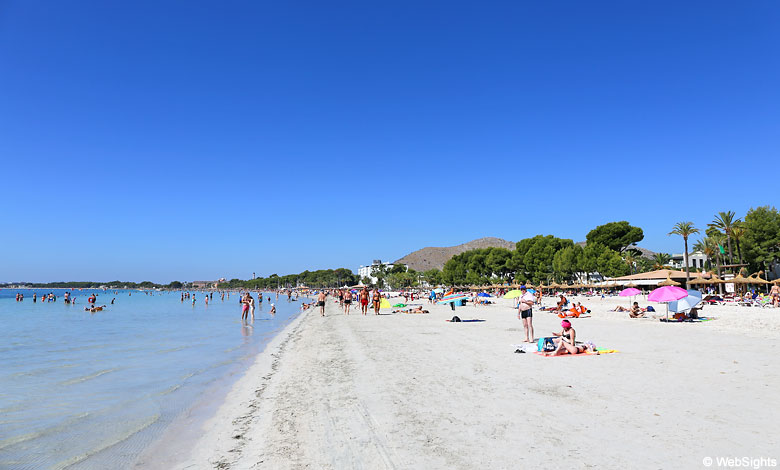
(221, 414)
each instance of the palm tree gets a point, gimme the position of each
(630, 260)
(661, 260)
(685, 229)
(737, 232)
(725, 222)
(710, 249)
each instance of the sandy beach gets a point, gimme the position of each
(414, 391)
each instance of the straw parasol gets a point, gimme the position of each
(668, 281)
(755, 279)
(739, 279)
(631, 284)
(703, 281)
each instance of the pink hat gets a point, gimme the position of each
(566, 324)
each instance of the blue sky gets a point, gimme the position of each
(188, 140)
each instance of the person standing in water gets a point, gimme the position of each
(273, 309)
(251, 301)
(244, 307)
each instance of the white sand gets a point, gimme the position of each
(413, 391)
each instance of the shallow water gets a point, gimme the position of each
(90, 390)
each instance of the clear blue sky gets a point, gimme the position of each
(188, 140)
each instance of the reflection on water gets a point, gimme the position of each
(90, 390)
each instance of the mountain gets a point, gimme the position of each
(434, 257)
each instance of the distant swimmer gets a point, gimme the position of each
(193, 299)
(207, 300)
(321, 302)
(112, 300)
(35, 297)
(92, 298)
(94, 309)
(273, 309)
(67, 297)
(251, 301)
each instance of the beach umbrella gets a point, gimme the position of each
(452, 298)
(757, 280)
(668, 282)
(630, 292)
(667, 294)
(703, 281)
(513, 294)
(686, 303)
(631, 284)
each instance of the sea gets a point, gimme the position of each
(81, 390)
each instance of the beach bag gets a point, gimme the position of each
(545, 344)
(650, 308)
(455, 319)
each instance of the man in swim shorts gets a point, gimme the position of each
(364, 301)
(347, 301)
(525, 313)
(321, 302)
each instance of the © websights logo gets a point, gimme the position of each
(740, 462)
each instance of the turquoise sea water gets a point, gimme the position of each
(82, 390)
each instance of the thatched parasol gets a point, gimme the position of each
(739, 279)
(668, 281)
(703, 281)
(757, 280)
(631, 284)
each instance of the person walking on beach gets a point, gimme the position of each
(377, 301)
(347, 301)
(364, 294)
(321, 302)
(525, 313)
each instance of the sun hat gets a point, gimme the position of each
(566, 324)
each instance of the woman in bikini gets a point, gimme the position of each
(377, 301)
(566, 341)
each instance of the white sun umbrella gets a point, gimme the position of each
(686, 303)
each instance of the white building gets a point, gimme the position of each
(368, 271)
(697, 259)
